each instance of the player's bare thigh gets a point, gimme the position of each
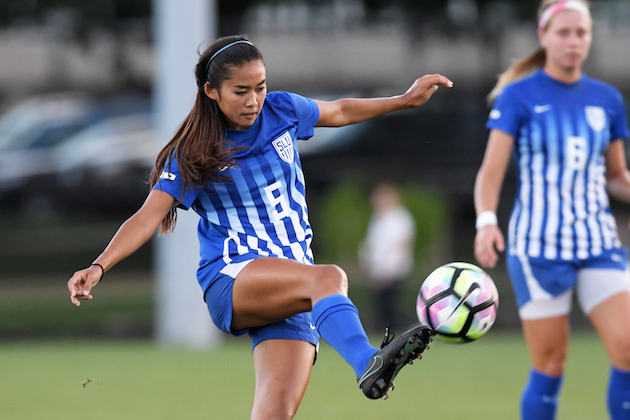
(270, 289)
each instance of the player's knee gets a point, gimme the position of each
(333, 279)
(278, 411)
(552, 362)
(284, 412)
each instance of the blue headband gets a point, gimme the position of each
(242, 41)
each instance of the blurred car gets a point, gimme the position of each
(333, 139)
(32, 129)
(106, 167)
(28, 130)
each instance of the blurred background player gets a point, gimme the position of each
(386, 253)
(234, 161)
(565, 130)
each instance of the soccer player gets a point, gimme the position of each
(565, 130)
(234, 160)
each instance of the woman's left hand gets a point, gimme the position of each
(423, 88)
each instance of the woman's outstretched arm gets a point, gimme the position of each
(350, 111)
(131, 235)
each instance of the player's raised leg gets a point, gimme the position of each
(282, 369)
(269, 290)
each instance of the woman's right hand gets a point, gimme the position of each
(134, 233)
(488, 241)
(81, 283)
(423, 88)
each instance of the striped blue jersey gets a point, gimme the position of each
(262, 210)
(561, 132)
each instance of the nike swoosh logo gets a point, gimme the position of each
(464, 298)
(376, 361)
(474, 286)
(312, 326)
(539, 109)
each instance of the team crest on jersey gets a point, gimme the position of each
(284, 147)
(596, 117)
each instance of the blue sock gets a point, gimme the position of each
(540, 397)
(337, 320)
(619, 394)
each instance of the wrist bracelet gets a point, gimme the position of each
(102, 270)
(486, 218)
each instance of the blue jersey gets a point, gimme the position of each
(262, 210)
(561, 132)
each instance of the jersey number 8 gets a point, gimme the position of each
(277, 200)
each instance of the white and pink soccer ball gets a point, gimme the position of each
(459, 301)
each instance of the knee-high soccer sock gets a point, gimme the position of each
(540, 397)
(619, 394)
(337, 320)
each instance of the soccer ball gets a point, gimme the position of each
(459, 301)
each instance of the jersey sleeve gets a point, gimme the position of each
(618, 118)
(307, 115)
(507, 113)
(171, 182)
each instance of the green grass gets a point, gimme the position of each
(40, 308)
(139, 380)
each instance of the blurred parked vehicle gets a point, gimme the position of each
(106, 167)
(29, 133)
(28, 130)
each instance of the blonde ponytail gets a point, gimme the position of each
(518, 70)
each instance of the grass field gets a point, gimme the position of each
(138, 380)
(42, 378)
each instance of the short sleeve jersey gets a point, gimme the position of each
(561, 132)
(261, 210)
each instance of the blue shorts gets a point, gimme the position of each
(219, 300)
(535, 279)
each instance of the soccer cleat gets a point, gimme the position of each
(379, 376)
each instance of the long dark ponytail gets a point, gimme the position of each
(199, 146)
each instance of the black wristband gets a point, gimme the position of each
(102, 270)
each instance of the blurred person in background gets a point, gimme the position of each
(386, 253)
(565, 130)
(234, 161)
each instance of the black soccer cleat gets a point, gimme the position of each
(379, 376)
